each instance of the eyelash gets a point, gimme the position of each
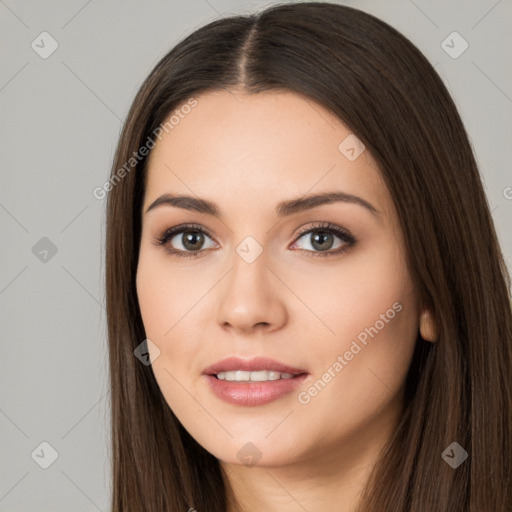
(343, 234)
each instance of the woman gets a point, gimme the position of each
(308, 308)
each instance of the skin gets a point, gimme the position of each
(246, 153)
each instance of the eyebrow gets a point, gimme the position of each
(283, 209)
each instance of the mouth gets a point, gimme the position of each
(252, 382)
(256, 369)
(256, 376)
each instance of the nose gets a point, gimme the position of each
(251, 297)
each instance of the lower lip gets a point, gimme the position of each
(253, 393)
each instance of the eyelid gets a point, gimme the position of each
(170, 233)
(182, 227)
(327, 226)
(338, 231)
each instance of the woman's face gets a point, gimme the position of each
(270, 279)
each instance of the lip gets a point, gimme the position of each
(249, 393)
(250, 365)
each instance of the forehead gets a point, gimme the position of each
(254, 150)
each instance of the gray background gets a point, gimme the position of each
(59, 124)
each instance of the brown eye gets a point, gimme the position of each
(184, 240)
(321, 239)
(192, 240)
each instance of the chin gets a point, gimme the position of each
(256, 451)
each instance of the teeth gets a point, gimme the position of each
(259, 376)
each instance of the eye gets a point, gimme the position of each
(185, 240)
(321, 239)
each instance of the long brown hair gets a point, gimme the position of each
(459, 389)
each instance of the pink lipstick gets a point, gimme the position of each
(251, 382)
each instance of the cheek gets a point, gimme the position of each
(162, 294)
(352, 293)
(376, 355)
(163, 308)
(152, 301)
(169, 302)
(371, 308)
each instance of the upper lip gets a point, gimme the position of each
(251, 365)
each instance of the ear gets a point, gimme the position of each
(428, 328)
